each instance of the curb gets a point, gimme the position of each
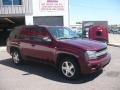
(114, 45)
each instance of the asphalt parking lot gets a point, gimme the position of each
(36, 76)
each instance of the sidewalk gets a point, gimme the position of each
(2, 48)
(114, 40)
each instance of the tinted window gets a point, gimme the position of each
(98, 33)
(14, 33)
(25, 34)
(40, 33)
(37, 39)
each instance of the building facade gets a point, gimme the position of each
(43, 12)
(30, 12)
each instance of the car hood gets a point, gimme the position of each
(85, 44)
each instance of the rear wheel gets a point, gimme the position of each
(16, 57)
(69, 68)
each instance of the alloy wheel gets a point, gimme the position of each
(68, 69)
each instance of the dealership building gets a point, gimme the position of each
(30, 12)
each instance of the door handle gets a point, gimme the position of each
(18, 42)
(33, 45)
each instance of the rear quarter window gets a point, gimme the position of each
(15, 32)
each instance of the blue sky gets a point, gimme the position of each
(85, 10)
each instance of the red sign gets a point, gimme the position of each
(52, 5)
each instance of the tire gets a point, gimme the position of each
(16, 57)
(69, 69)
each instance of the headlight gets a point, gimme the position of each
(90, 55)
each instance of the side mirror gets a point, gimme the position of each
(47, 39)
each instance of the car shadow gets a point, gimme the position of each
(47, 71)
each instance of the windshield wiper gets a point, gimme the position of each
(63, 38)
(68, 37)
(74, 37)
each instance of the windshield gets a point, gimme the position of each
(63, 33)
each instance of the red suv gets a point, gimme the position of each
(58, 46)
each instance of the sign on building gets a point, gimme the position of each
(52, 5)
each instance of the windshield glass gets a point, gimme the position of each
(63, 33)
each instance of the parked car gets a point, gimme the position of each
(119, 31)
(58, 46)
(114, 31)
(79, 33)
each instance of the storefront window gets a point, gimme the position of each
(16, 2)
(12, 2)
(7, 2)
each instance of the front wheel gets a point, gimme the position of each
(69, 68)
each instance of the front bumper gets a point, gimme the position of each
(94, 65)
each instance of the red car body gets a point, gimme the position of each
(54, 49)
